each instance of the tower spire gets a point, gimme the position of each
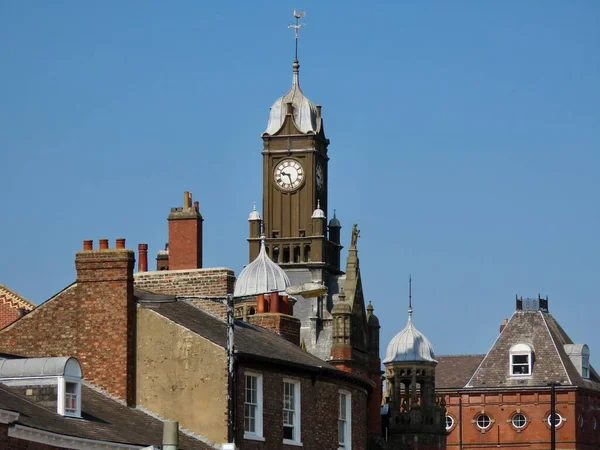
(296, 26)
(410, 309)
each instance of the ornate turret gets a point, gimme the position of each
(254, 222)
(415, 418)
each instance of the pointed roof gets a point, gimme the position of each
(261, 276)
(539, 331)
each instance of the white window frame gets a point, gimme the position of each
(62, 394)
(347, 444)
(452, 422)
(296, 440)
(520, 350)
(515, 425)
(557, 415)
(585, 363)
(257, 434)
(481, 416)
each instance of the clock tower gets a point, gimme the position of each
(295, 207)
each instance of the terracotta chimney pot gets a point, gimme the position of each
(88, 244)
(103, 244)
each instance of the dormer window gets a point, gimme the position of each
(520, 360)
(579, 354)
(37, 376)
(585, 362)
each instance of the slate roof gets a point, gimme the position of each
(454, 371)
(541, 332)
(251, 341)
(102, 419)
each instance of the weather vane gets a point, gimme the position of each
(296, 26)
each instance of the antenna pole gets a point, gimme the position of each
(410, 310)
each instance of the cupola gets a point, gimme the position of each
(306, 114)
(261, 276)
(410, 344)
(254, 214)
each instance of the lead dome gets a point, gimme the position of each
(261, 276)
(409, 345)
(305, 113)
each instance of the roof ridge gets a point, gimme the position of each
(488, 352)
(15, 297)
(556, 348)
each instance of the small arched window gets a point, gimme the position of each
(521, 358)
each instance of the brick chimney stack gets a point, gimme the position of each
(143, 257)
(185, 235)
(275, 313)
(504, 323)
(105, 339)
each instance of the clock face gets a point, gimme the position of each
(289, 175)
(319, 177)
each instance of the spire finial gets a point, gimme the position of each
(334, 214)
(296, 26)
(410, 310)
(318, 204)
(254, 207)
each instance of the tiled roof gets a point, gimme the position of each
(540, 331)
(251, 341)
(454, 371)
(103, 419)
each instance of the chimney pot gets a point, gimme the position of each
(103, 244)
(120, 243)
(187, 200)
(504, 323)
(88, 244)
(197, 206)
(274, 306)
(143, 258)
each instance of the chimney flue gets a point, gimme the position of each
(143, 258)
(187, 200)
(103, 244)
(120, 243)
(197, 206)
(88, 244)
(170, 436)
(504, 323)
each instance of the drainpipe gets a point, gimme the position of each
(460, 427)
(171, 436)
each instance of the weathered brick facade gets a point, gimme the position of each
(282, 324)
(93, 320)
(319, 409)
(534, 404)
(185, 235)
(12, 305)
(217, 281)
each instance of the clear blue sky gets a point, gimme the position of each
(465, 141)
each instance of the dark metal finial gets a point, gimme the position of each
(410, 309)
(296, 26)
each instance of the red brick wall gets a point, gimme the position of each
(8, 313)
(93, 320)
(319, 410)
(282, 324)
(535, 405)
(185, 243)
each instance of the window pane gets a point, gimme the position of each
(521, 359)
(341, 432)
(288, 432)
